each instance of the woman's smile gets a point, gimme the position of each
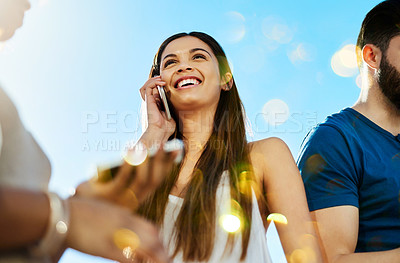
(187, 82)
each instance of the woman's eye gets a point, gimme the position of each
(169, 62)
(199, 56)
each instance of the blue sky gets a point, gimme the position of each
(75, 67)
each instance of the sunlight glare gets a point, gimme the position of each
(344, 61)
(275, 28)
(276, 112)
(230, 223)
(277, 218)
(234, 27)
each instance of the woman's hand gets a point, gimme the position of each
(106, 230)
(159, 127)
(134, 181)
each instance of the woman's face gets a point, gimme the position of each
(11, 16)
(190, 69)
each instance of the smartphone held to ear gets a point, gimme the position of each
(163, 97)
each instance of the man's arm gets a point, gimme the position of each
(24, 217)
(338, 230)
(92, 229)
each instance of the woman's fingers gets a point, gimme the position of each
(151, 84)
(115, 234)
(156, 167)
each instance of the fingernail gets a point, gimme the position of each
(174, 145)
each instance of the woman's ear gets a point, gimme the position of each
(226, 81)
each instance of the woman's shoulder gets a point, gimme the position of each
(267, 153)
(267, 146)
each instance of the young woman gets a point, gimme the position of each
(221, 173)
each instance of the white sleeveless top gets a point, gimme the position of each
(257, 249)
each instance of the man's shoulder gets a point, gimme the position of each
(335, 127)
(343, 121)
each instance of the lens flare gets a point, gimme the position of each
(246, 183)
(61, 227)
(348, 56)
(305, 255)
(233, 28)
(302, 52)
(126, 240)
(275, 28)
(344, 61)
(230, 223)
(128, 252)
(276, 112)
(277, 218)
(315, 164)
(136, 155)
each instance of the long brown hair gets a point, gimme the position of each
(226, 149)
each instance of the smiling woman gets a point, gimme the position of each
(212, 208)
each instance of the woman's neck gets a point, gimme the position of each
(196, 128)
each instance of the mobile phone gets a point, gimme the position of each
(163, 97)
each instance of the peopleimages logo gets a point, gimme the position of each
(110, 121)
(107, 130)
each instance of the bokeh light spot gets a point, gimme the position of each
(233, 28)
(230, 223)
(125, 238)
(128, 252)
(246, 183)
(277, 218)
(136, 155)
(305, 255)
(61, 227)
(275, 28)
(301, 52)
(344, 61)
(348, 56)
(314, 164)
(275, 112)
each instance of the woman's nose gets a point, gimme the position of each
(183, 68)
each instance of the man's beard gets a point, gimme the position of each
(389, 82)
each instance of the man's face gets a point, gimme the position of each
(389, 75)
(11, 16)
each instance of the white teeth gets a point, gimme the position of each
(188, 81)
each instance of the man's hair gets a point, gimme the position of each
(380, 25)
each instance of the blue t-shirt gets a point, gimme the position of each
(349, 160)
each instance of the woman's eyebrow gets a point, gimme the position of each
(191, 51)
(169, 55)
(201, 49)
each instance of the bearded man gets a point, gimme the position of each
(350, 164)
